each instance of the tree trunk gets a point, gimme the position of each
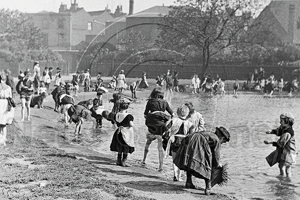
(205, 61)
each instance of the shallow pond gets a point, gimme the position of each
(247, 118)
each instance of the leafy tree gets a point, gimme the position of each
(133, 43)
(20, 40)
(209, 26)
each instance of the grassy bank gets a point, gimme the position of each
(30, 169)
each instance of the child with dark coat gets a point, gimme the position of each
(96, 111)
(123, 139)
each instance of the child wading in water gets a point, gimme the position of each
(285, 144)
(123, 139)
(236, 86)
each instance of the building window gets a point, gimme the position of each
(61, 39)
(61, 23)
(90, 26)
(45, 39)
(45, 24)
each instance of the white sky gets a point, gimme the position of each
(34, 6)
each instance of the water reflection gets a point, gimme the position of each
(247, 118)
(283, 188)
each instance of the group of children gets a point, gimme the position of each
(208, 84)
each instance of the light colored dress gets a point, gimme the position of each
(6, 117)
(198, 121)
(121, 81)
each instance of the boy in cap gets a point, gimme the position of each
(285, 144)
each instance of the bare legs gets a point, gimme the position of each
(25, 104)
(65, 112)
(288, 170)
(189, 183)
(78, 128)
(159, 147)
(3, 131)
(176, 170)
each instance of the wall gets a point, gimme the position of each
(58, 38)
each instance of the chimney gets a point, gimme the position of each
(74, 6)
(63, 8)
(130, 7)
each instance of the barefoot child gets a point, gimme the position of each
(123, 139)
(285, 144)
(96, 111)
(236, 86)
(179, 127)
(78, 114)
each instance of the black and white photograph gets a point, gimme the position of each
(149, 100)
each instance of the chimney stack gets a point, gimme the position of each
(130, 7)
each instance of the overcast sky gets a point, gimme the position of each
(33, 6)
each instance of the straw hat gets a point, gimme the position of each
(124, 100)
(287, 115)
(183, 112)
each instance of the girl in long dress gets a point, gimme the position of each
(199, 154)
(179, 127)
(6, 112)
(144, 84)
(37, 76)
(123, 139)
(121, 81)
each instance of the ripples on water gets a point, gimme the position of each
(247, 118)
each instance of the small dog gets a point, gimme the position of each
(38, 100)
(182, 88)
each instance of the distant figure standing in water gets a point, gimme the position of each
(169, 86)
(236, 86)
(176, 81)
(121, 81)
(144, 84)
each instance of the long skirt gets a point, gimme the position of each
(194, 155)
(6, 117)
(36, 81)
(119, 145)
